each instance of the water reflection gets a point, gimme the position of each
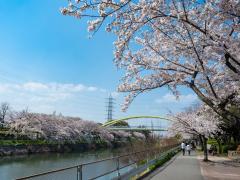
(19, 166)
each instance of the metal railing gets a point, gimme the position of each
(115, 167)
(115, 128)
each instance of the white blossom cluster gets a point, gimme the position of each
(138, 135)
(60, 129)
(172, 43)
(202, 121)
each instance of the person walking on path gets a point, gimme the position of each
(183, 146)
(188, 148)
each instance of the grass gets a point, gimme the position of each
(22, 142)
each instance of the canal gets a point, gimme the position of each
(13, 167)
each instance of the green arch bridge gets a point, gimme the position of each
(110, 123)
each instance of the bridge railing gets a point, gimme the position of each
(136, 129)
(109, 168)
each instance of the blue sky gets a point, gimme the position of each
(47, 63)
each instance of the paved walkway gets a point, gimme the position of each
(220, 168)
(182, 168)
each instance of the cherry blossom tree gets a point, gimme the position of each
(61, 129)
(58, 128)
(201, 122)
(173, 43)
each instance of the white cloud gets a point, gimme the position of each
(48, 87)
(171, 99)
(81, 100)
(33, 86)
(91, 88)
(79, 87)
(3, 89)
(35, 95)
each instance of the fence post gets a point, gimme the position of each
(148, 156)
(79, 172)
(118, 168)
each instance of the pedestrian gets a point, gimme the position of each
(213, 149)
(183, 146)
(193, 145)
(188, 148)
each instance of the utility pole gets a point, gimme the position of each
(152, 128)
(109, 107)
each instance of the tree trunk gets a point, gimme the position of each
(205, 149)
(201, 141)
(219, 146)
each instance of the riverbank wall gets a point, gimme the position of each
(8, 150)
(59, 148)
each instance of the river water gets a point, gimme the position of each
(13, 167)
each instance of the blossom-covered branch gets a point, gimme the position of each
(173, 43)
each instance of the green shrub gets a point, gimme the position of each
(161, 161)
(212, 142)
(142, 162)
(229, 147)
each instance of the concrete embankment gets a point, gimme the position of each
(8, 150)
(30, 149)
